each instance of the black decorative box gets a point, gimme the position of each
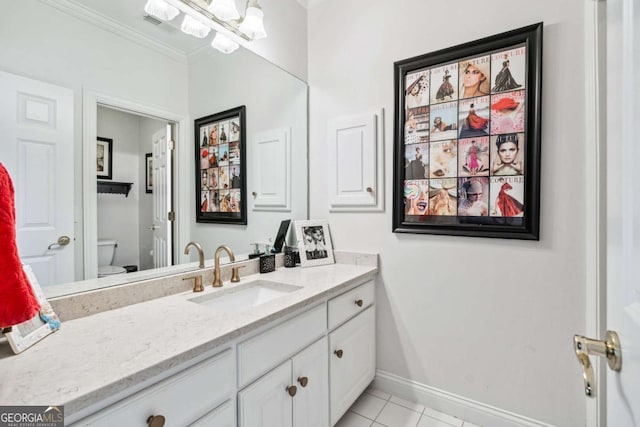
(267, 263)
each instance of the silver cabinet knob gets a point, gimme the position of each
(62, 241)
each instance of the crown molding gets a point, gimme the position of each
(74, 8)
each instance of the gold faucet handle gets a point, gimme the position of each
(197, 283)
(235, 274)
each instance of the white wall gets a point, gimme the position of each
(274, 99)
(487, 319)
(285, 22)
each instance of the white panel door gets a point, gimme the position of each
(271, 170)
(311, 377)
(623, 208)
(36, 124)
(266, 402)
(161, 177)
(355, 168)
(352, 363)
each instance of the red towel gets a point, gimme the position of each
(18, 302)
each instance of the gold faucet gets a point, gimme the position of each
(200, 252)
(217, 279)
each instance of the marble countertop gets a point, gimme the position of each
(94, 357)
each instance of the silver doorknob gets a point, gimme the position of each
(62, 241)
(610, 348)
(153, 227)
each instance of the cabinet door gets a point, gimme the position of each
(352, 361)
(266, 402)
(311, 377)
(355, 163)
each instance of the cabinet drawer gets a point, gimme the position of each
(181, 399)
(347, 305)
(261, 353)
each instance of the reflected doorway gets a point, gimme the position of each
(134, 230)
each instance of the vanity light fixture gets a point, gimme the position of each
(224, 44)
(194, 28)
(211, 14)
(161, 10)
(224, 10)
(253, 23)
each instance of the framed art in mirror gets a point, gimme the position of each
(221, 178)
(467, 138)
(104, 153)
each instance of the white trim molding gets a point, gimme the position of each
(595, 209)
(75, 8)
(467, 409)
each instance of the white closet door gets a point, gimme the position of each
(36, 124)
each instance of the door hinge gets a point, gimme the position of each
(171, 216)
(172, 145)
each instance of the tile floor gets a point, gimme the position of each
(379, 409)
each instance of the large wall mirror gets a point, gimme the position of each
(118, 84)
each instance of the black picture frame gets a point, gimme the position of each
(104, 158)
(148, 173)
(481, 177)
(221, 172)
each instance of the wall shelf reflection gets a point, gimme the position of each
(113, 187)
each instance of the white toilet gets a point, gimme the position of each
(106, 252)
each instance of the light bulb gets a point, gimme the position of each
(225, 10)
(161, 10)
(253, 23)
(224, 44)
(194, 27)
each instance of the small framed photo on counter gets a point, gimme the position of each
(314, 243)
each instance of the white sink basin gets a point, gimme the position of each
(246, 295)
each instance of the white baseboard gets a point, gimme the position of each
(451, 404)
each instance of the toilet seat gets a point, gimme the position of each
(110, 270)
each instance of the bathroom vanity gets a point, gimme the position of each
(295, 347)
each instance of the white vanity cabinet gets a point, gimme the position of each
(294, 394)
(303, 370)
(181, 399)
(352, 348)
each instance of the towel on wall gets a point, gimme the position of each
(18, 302)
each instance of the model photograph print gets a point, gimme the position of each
(221, 167)
(314, 243)
(467, 138)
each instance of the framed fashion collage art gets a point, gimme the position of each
(221, 172)
(467, 138)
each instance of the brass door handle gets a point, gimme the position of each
(338, 353)
(610, 348)
(62, 241)
(359, 302)
(303, 381)
(155, 421)
(292, 390)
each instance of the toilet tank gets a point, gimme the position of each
(106, 251)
